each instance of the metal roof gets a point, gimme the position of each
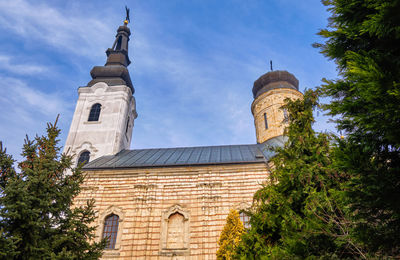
(181, 156)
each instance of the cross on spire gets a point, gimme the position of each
(127, 19)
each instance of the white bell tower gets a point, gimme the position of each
(106, 109)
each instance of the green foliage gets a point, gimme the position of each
(38, 219)
(363, 38)
(7, 246)
(230, 236)
(297, 214)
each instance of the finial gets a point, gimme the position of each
(270, 63)
(127, 20)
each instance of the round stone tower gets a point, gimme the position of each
(270, 91)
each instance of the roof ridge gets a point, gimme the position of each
(180, 156)
(198, 146)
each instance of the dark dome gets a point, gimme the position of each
(273, 80)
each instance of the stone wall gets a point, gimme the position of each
(270, 103)
(108, 135)
(171, 212)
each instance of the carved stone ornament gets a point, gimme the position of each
(175, 232)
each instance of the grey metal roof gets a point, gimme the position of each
(202, 155)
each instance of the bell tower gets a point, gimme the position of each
(269, 92)
(106, 109)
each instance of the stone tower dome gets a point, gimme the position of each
(269, 92)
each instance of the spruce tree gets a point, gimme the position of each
(7, 245)
(298, 214)
(38, 218)
(363, 38)
(230, 236)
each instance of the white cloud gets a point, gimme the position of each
(19, 100)
(7, 64)
(39, 21)
(24, 110)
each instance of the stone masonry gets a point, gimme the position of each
(143, 198)
(270, 103)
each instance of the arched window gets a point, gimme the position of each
(110, 230)
(245, 219)
(94, 112)
(84, 158)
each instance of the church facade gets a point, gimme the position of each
(167, 203)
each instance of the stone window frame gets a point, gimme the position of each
(164, 232)
(110, 230)
(95, 112)
(85, 146)
(81, 154)
(90, 104)
(265, 121)
(100, 228)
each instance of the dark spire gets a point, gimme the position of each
(115, 71)
(118, 53)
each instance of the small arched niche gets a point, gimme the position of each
(175, 232)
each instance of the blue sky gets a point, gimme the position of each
(193, 63)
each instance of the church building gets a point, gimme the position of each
(167, 203)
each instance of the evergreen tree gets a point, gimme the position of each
(363, 38)
(38, 218)
(298, 214)
(230, 236)
(7, 246)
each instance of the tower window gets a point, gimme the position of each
(245, 219)
(285, 115)
(95, 112)
(110, 230)
(127, 125)
(84, 158)
(265, 121)
(119, 42)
